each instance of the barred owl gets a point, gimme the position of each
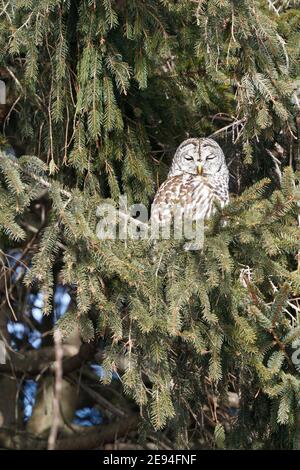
(198, 176)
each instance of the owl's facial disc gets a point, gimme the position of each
(198, 157)
(189, 157)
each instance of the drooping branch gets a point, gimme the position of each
(47, 184)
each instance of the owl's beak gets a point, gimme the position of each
(200, 169)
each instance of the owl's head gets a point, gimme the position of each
(199, 156)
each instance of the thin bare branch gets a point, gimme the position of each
(59, 354)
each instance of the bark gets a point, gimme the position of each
(34, 361)
(10, 415)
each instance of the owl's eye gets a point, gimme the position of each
(211, 156)
(189, 158)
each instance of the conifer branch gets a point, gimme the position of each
(34, 362)
(92, 438)
(47, 184)
(271, 330)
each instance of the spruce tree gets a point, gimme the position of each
(99, 95)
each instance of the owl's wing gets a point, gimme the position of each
(166, 198)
